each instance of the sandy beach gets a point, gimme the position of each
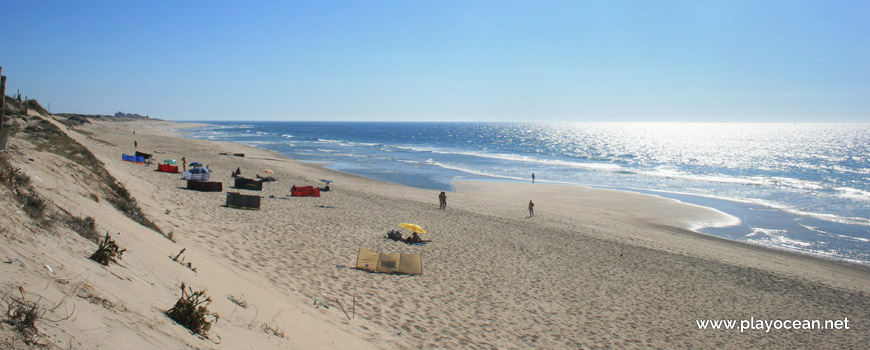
(591, 269)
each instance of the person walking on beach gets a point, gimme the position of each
(531, 208)
(533, 177)
(443, 199)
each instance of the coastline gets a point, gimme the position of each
(758, 224)
(689, 219)
(592, 268)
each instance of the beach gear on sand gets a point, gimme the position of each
(248, 184)
(389, 263)
(413, 228)
(134, 159)
(306, 191)
(205, 186)
(167, 168)
(196, 174)
(395, 235)
(241, 201)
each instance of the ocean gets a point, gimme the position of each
(800, 187)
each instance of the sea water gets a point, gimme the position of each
(803, 187)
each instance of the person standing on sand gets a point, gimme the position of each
(531, 208)
(533, 177)
(135, 144)
(443, 199)
(183, 164)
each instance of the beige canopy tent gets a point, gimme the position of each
(389, 263)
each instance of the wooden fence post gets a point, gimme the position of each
(2, 110)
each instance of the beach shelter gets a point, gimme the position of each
(248, 184)
(205, 186)
(196, 174)
(167, 168)
(196, 164)
(134, 159)
(144, 155)
(306, 191)
(411, 264)
(241, 201)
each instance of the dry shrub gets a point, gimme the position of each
(34, 205)
(86, 227)
(109, 251)
(87, 292)
(191, 311)
(22, 316)
(273, 330)
(188, 265)
(240, 301)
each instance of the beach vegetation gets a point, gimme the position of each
(181, 261)
(191, 311)
(22, 315)
(108, 251)
(240, 301)
(86, 227)
(20, 186)
(36, 207)
(33, 105)
(75, 120)
(273, 331)
(49, 138)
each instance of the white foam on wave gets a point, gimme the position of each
(329, 141)
(849, 220)
(777, 239)
(849, 238)
(853, 193)
(345, 143)
(774, 236)
(672, 173)
(469, 171)
(517, 158)
(765, 203)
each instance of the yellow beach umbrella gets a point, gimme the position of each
(413, 228)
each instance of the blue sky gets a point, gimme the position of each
(745, 61)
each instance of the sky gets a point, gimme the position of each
(513, 61)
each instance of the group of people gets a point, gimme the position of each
(413, 238)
